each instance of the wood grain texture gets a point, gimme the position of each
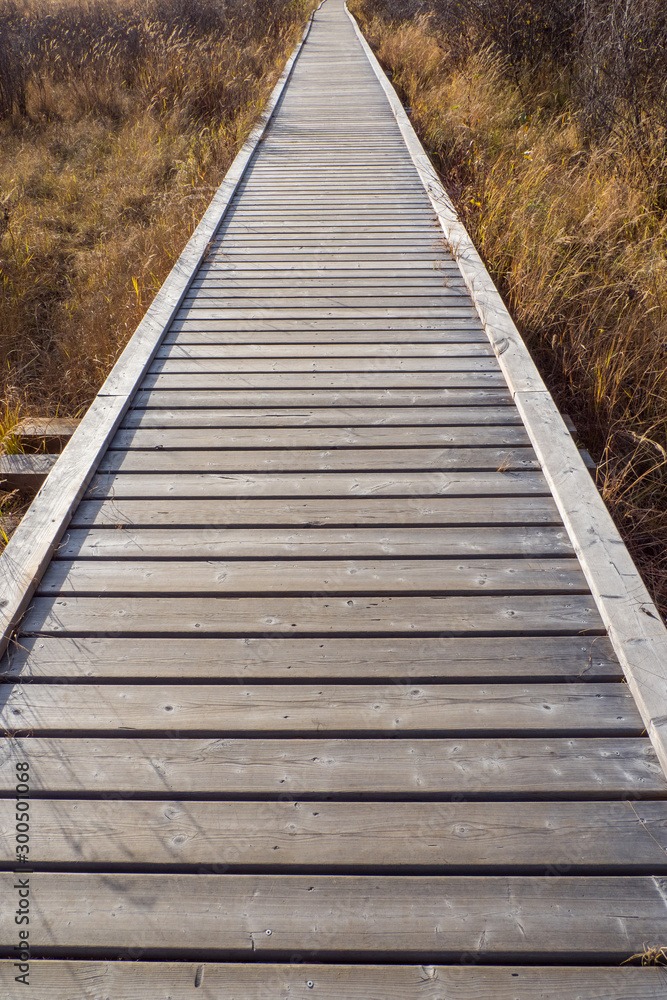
(556, 657)
(336, 397)
(320, 460)
(310, 708)
(323, 416)
(25, 472)
(355, 365)
(195, 438)
(286, 769)
(136, 980)
(341, 349)
(271, 543)
(420, 917)
(316, 614)
(325, 380)
(541, 837)
(212, 575)
(342, 485)
(451, 512)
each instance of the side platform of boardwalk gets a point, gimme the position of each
(318, 692)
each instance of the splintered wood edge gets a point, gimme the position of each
(630, 616)
(31, 546)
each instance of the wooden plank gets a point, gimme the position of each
(233, 272)
(314, 350)
(291, 769)
(515, 837)
(330, 484)
(25, 472)
(45, 427)
(141, 575)
(415, 917)
(335, 282)
(192, 381)
(357, 365)
(323, 416)
(558, 658)
(136, 980)
(415, 436)
(328, 324)
(449, 511)
(440, 709)
(223, 398)
(319, 615)
(277, 543)
(269, 460)
(269, 311)
(460, 332)
(215, 301)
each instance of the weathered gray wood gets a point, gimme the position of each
(356, 366)
(25, 472)
(566, 658)
(320, 437)
(263, 708)
(307, 312)
(337, 397)
(561, 837)
(327, 324)
(45, 427)
(63, 980)
(276, 543)
(333, 459)
(140, 575)
(324, 416)
(419, 917)
(193, 381)
(332, 484)
(209, 303)
(341, 349)
(450, 511)
(316, 614)
(406, 767)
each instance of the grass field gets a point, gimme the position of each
(560, 174)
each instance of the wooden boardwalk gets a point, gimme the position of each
(318, 699)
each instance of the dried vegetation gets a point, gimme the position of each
(548, 122)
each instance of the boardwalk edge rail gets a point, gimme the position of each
(31, 547)
(630, 616)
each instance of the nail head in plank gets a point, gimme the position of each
(136, 980)
(608, 919)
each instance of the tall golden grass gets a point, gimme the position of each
(570, 219)
(117, 123)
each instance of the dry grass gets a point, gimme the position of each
(571, 222)
(117, 123)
